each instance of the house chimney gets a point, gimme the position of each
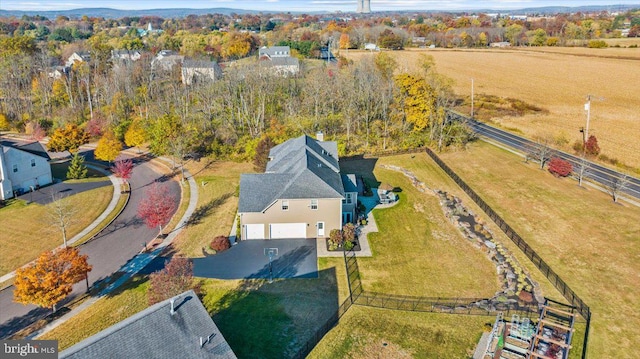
(320, 136)
(173, 310)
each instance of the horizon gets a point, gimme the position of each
(303, 5)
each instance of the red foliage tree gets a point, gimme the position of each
(122, 168)
(220, 243)
(559, 167)
(591, 147)
(96, 126)
(175, 278)
(37, 132)
(157, 207)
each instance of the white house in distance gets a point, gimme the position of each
(23, 168)
(278, 60)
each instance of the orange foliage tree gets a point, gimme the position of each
(68, 138)
(51, 277)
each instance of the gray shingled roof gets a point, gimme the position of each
(299, 168)
(35, 147)
(156, 333)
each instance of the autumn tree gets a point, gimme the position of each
(344, 41)
(417, 100)
(175, 278)
(390, 40)
(51, 277)
(157, 206)
(591, 147)
(559, 167)
(123, 169)
(262, 153)
(77, 169)
(108, 148)
(68, 138)
(36, 132)
(135, 135)
(540, 152)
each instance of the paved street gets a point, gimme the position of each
(111, 249)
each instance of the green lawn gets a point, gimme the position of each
(417, 251)
(365, 333)
(26, 230)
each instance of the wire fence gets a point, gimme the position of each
(551, 275)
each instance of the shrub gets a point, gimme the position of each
(559, 167)
(596, 44)
(591, 147)
(335, 239)
(349, 233)
(220, 243)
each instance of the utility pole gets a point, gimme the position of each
(471, 98)
(587, 107)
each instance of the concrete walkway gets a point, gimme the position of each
(110, 208)
(363, 230)
(137, 263)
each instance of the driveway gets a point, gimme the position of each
(46, 194)
(296, 258)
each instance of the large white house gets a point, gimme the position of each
(23, 168)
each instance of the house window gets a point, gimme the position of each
(15, 168)
(33, 162)
(314, 204)
(285, 205)
(348, 199)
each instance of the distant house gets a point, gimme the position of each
(165, 60)
(274, 51)
(80, 56)
(371, 47)
(194, 71)
(500, 44)
(278, 60)
(23, 168)
(302, 194)
(126, 55)
(179, 327)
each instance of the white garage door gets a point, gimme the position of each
(288, 230)
(255, 231)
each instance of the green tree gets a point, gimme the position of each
(108, 148)
(77, 168)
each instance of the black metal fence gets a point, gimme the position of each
(323, 330)
(552, 276)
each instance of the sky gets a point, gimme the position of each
(299, 5)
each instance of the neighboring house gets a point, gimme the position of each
(165, 60)
(179, 327)
(195, 71)
(126, 55)
(278, 61)
(371, 47)
(281, 66)
(80, 56)
(301, 194)
(23, 168)
(274, 51)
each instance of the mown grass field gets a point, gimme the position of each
(26, 231)
(593, 243)
(555, 79)
(417, 251)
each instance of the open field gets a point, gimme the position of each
(590, 241)
(26, 231)
(558, 82)
(418, 252)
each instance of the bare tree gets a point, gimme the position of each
(581, 169)
(616, 185)
(61, 215)
(540, 152)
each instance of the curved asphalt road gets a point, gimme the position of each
(108, 252)
(597, 173)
